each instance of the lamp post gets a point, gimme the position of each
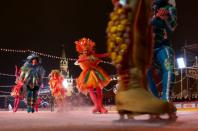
(181, 65)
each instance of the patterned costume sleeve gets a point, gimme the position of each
(24, 73)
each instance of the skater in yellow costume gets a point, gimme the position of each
(130, 43)
(92, 78)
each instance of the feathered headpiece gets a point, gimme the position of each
(55, 71)
(84, 44)
(31, 57)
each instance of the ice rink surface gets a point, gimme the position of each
(84, 120)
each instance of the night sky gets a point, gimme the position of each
(44, 25)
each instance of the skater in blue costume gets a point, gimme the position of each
(164, 22)
(32, 73)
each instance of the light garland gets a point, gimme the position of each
(31, 51)
(3, 74)
(43, 54)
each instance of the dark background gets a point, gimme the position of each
(44, 25)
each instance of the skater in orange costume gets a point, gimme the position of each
(92, 76)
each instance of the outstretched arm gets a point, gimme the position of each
(94, 57)
(102, 55)
(82, 60)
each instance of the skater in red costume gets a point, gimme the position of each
(17, 90)
(57, 89)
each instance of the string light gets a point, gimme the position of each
(3, 74)
(31, 51)
(43, 54)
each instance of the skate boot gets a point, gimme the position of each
(32, 110)
(29, 109)
(102, 109)
(16, 103)
(94, 100)
(133, 99)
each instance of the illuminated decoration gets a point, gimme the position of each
(68, 85)
(68, 81)
(3, 74)
(31, 51)
(43, 54)
(65, 83)
(181, 63)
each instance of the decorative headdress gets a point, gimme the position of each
(84, 44)
(31, 57)
(55, 71)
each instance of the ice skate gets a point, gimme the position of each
(134, 99)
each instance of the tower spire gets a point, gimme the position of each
(64, 63)
(63, 51)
